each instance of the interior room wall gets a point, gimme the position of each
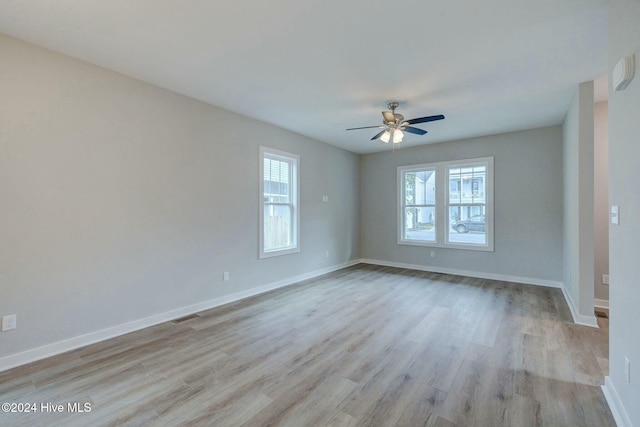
(578, 253)
(122, 201)
(528, 207)
(601, 201)
(624, 174)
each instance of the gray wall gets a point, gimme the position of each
(624, 175)
(121, 200)
(528, 205)
(601, 199)
(577, 181)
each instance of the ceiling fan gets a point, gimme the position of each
(394, 125)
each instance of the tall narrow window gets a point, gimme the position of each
(419, 204)
(279, 212)
(467, 205)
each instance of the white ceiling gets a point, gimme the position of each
(318, 67)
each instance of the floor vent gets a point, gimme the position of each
(185, 318)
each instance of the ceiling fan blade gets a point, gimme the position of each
(411, 129)
(367, 127)
(378, 135)
(423, 120)
(388, 116)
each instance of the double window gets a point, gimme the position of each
(279, 211)
(447, 204)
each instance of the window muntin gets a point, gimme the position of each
(279, 213)
(447, 204)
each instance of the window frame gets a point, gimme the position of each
(442, 204)
(294, 196)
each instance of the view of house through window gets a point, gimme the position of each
(446, 204)
(467, 201)
(420, 202)
(279, 212)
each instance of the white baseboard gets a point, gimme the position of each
(578, 318)
(59, 347)
(615, 405)
(467, 273)
(601, 303)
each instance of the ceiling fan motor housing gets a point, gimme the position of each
(398, 117)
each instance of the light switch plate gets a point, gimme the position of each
(615, 215)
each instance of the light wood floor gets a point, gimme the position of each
(364, 346)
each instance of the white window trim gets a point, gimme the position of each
(442, 205)
(295, 191)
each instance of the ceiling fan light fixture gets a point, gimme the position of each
(397, 136)
(386, 136)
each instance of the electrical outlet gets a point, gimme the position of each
(225, 276)
(605, 279)
(8, 322)
(433, 254)
(627, 369)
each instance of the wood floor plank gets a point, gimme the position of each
(363, 346)
(523, 412)
(323, 405)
